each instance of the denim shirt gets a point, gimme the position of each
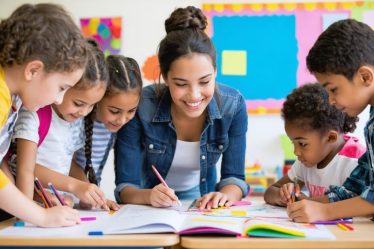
(150, 139)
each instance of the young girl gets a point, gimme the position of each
(116, 109)
(63, 138)
(37, 67)
(326, 155)
(184, 126)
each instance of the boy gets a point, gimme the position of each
(342, 60)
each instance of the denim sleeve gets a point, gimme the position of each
(359, 183)
(233, 159)
(128, 156)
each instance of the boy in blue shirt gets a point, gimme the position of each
(342, 60)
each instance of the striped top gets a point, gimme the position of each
(102, 142)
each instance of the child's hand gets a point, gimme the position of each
(112, 205)
(90, 194)
(213, 200)
(285, 193)
(59, 216)
(307, 211)
(162, 196)
(67, 198)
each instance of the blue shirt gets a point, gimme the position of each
(150, 139)
(360, 182)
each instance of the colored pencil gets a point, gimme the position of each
(40, 187)
(41, 197)
(342, 227)
(162, 181)
(59, 197)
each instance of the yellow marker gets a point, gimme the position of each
(112, 212)
(240, 213)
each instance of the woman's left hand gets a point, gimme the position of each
(213, 200)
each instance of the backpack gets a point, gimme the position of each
(45, 118)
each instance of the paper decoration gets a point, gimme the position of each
(151, 69)
(234, 62)
(106, 31)
(276, 38)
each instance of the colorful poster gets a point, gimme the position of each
(261, 48)
(106, 31)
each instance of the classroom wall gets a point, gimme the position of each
(142, 29)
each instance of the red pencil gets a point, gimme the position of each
(348, 226)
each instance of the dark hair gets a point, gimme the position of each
(309, 107)
(342, 48)
(124, 75)
(42, 32)
(185, 35)
(96, 73)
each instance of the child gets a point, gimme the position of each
(37, 67)
(63, 137)
(116, 108)
(182, 127)
(326, 156)
(342, 59)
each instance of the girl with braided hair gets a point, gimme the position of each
(325, 154)
(117, 107)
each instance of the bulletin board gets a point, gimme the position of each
(261, 48)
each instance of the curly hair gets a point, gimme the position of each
(42, 32)
(309, 107)
(330, 52)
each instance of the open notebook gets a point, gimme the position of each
(145, 219)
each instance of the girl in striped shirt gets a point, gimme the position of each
(117, 107)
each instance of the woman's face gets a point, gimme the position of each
(191, 80)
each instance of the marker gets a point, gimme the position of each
(88, 218)
(162, 181)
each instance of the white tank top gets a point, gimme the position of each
(184, 172)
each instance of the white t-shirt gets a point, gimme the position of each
(59, 145)
(335, 173)
(184, 172)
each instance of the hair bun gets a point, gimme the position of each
(186, 18)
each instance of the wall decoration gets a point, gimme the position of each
(261, 48)
(106, 31)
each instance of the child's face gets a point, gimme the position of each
(310, 147)
(116, 110)
(351, 97)
(191, 80)
(78, 103)
(47, 88)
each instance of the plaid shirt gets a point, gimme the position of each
(360, 182)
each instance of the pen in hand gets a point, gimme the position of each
(163, 181)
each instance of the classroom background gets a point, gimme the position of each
(264, 57)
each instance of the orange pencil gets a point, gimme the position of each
(348, 226)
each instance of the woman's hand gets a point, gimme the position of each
(213, 200)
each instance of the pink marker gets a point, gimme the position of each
(88, 218)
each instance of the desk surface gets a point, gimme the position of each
(141, 240)
(361, 237)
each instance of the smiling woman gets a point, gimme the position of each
(184, 126)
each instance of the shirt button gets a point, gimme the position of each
(203, 179)
(220, 147)
(203, 157)
(151, 146)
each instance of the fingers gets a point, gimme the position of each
(112, 205)
(162, 196)
(213, 200)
